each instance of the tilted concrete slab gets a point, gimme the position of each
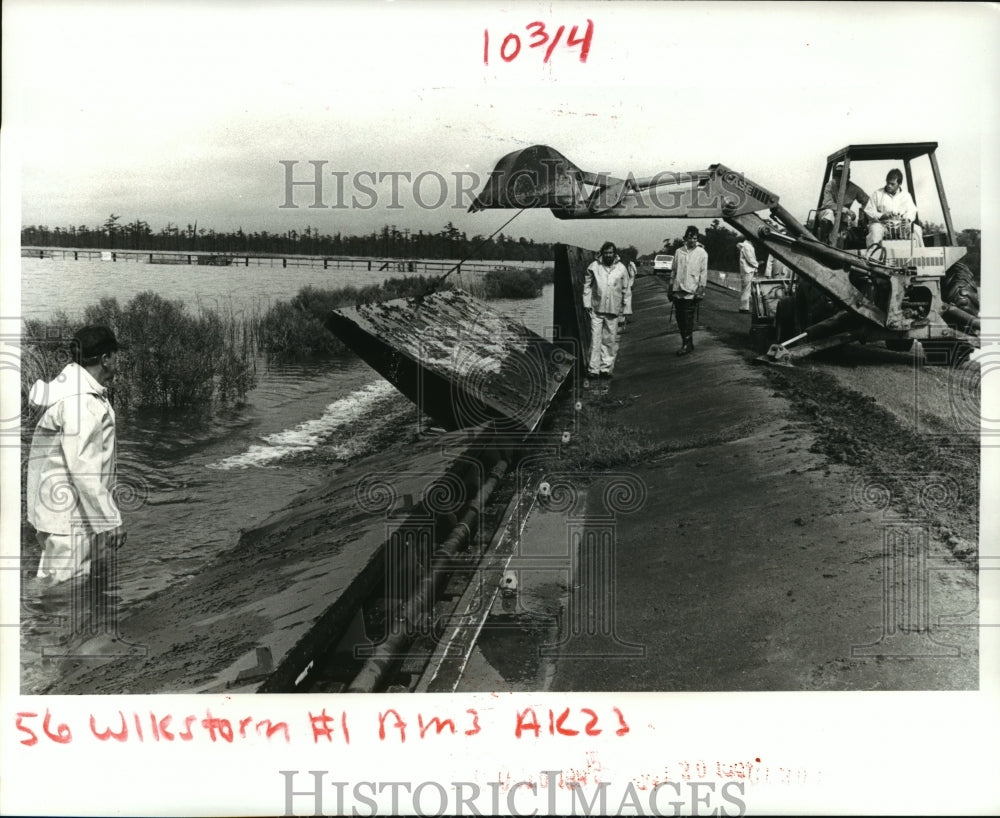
(459, 360)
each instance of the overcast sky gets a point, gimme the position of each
(182, 112)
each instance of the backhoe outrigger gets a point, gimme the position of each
(897, 300)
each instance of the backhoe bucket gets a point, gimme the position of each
(834, 331)
(535, 177)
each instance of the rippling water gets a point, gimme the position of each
(202, 476)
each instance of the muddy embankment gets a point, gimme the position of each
(885, 414)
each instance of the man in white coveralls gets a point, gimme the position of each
(605, 285)
(71, 465)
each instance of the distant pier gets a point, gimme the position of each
(229, 259)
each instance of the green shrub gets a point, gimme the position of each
(297, 328)
(513, 284)
(174, 359)
(44, 352)
(292, 332)
(318, 302)
(413, 286)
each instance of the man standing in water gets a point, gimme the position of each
(604, 287)
(687, 286)
(71, 465)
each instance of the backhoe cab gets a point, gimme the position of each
(938, 285)
(894, 154)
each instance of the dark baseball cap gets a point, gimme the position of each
(93, 340)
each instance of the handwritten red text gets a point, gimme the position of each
(539, 37)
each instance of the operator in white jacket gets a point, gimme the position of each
(892, 205)
(71, 465)
(605, 285)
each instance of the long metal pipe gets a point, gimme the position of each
(404, 629)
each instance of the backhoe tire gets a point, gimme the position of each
(959, 288)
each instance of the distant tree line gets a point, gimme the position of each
(449, 242)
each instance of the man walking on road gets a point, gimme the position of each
(604, 287)
(71, 465)
(748, 269)
(687, 286)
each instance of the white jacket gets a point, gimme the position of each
(748, 258)
(71, 466)
(690, 271)
(629, 285)
(604, 288)
(899, 206)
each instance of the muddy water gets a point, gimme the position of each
(196, 479)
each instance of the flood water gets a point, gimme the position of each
(199, 477)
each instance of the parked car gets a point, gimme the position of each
(663, 264)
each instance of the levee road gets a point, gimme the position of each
(806, 528)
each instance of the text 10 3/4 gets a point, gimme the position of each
(539, 37)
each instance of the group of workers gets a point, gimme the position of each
(607, 298)
(607, 294)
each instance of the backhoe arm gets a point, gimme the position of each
(540, 176)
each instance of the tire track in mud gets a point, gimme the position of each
(851, 428)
